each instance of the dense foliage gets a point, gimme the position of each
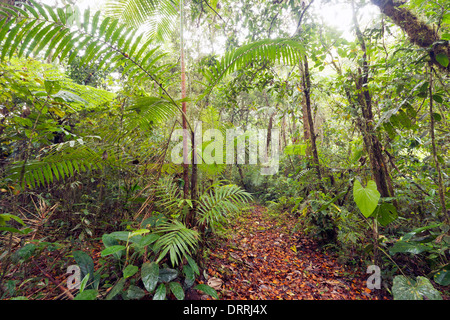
(89, 101)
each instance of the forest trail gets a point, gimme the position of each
(262, 260)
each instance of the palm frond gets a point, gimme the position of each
(222, 200)
(61, 161)
(152, 109)
(177, 240)
(67, 33)
(157, 17)
(285, 50)
(167, 195)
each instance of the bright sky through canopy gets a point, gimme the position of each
(337, 15)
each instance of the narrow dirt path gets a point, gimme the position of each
(262, 260)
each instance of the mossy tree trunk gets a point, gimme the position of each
(419, 33)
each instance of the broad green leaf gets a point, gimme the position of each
(87, 16)
(90, 294)
(95, 22)
(103, 25)
(437, 116)
(408, 289)
(442, 59)
(40, 9)
(442, 277)
(148, 239)
(160, 293)
(130, 271)
(193, 264)
(61, 15)
(410, 235)
(112, 250)
(167, 275)
(189, 279)
(120, 235)
(177, 290)
(26, 251)
(139, 232)
(207, 289)
(135, 293)
(366, 198)
(83, 282)
(85, 263)
(150, 275)
(51, 12)
(10, 229)
(409, 247)
(385, 213)
(117, 289)
(4, 217)
(438, 98)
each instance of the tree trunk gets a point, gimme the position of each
(434, 149)
(310, 135)
(373, 145)
(418, 31)
(184, 109)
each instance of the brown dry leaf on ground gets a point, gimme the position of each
(263, 261)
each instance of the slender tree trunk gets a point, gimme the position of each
(184, 108)
(433, 144)
(194, 186)
(310, 132)
(193, 183)
(374, 148)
